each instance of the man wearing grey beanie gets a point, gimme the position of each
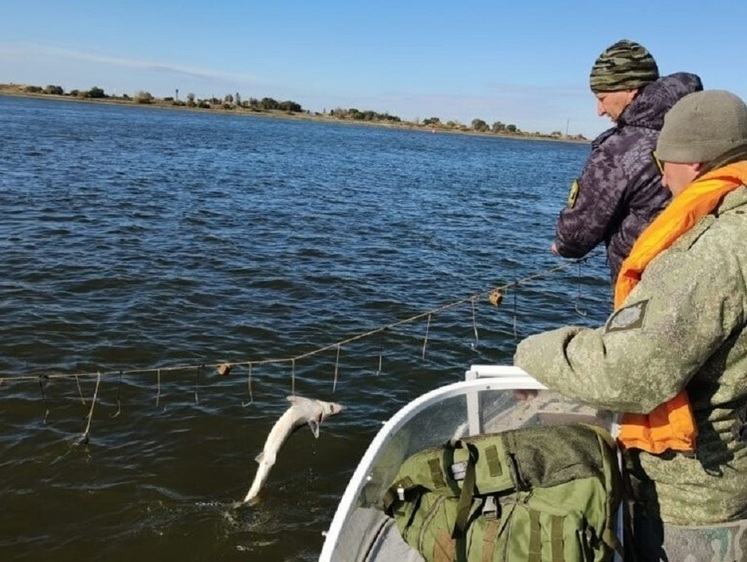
(704, 131)
(676, 343)
(619, 191)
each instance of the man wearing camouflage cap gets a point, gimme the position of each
(678, 338)
(619, 191)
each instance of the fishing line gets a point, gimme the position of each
(424, 315)
(425, 341)
(249, 388)
(474, 324)
(119, 390)
(293, 377)
(578, 295)
(158, 387)
(84, 438)
(80, 391)
(44, 397)
(197, 385)
(337, 365)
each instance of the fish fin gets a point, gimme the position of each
(260, 457)
(314, 425)
(298, 400)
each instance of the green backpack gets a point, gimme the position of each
(536, 494)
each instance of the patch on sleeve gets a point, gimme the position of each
(573, 194)
(628, 318)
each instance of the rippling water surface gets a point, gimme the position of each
(138, 239)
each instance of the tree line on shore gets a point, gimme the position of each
(235, 102)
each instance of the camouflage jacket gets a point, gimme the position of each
(683, 325)
(619, 192)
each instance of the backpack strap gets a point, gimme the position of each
(492, 527)
(468, 489)
(535, 537)
(557, 546)
(556, 538)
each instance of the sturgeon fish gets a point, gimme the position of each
(302, 411)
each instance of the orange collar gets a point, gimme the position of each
(672, 424)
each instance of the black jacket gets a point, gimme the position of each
(619, 192)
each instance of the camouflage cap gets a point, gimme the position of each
(626, 65)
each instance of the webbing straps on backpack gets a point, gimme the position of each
(556, 538)
(468, 490)
(435, 467)
(557, 546)
(491, 535)
(535, 537)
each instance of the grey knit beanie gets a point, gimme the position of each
(702, 126)
(625, 65)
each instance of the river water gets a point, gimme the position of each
(142, 247)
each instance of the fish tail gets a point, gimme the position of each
(259, 480)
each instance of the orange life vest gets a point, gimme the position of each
(671, 425)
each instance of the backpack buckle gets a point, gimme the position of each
(459, 470)
(490, 508)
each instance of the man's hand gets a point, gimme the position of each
(554, 248)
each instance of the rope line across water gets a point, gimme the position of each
(225, 367)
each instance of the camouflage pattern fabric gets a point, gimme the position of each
(619, 192)
(655, 542)
(683, 326)
(718, 543)
(626, 65)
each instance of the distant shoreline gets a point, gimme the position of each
(19, 90)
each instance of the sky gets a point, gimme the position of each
(525, 63)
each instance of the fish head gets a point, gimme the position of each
(329, 409)
(316, 409)
(323, 411)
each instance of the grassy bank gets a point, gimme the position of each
(292, 111)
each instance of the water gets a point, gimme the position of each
(138, 238)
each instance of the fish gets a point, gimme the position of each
(302, 411)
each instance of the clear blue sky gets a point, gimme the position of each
(525, 62)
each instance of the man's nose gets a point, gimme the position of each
(600, 109)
